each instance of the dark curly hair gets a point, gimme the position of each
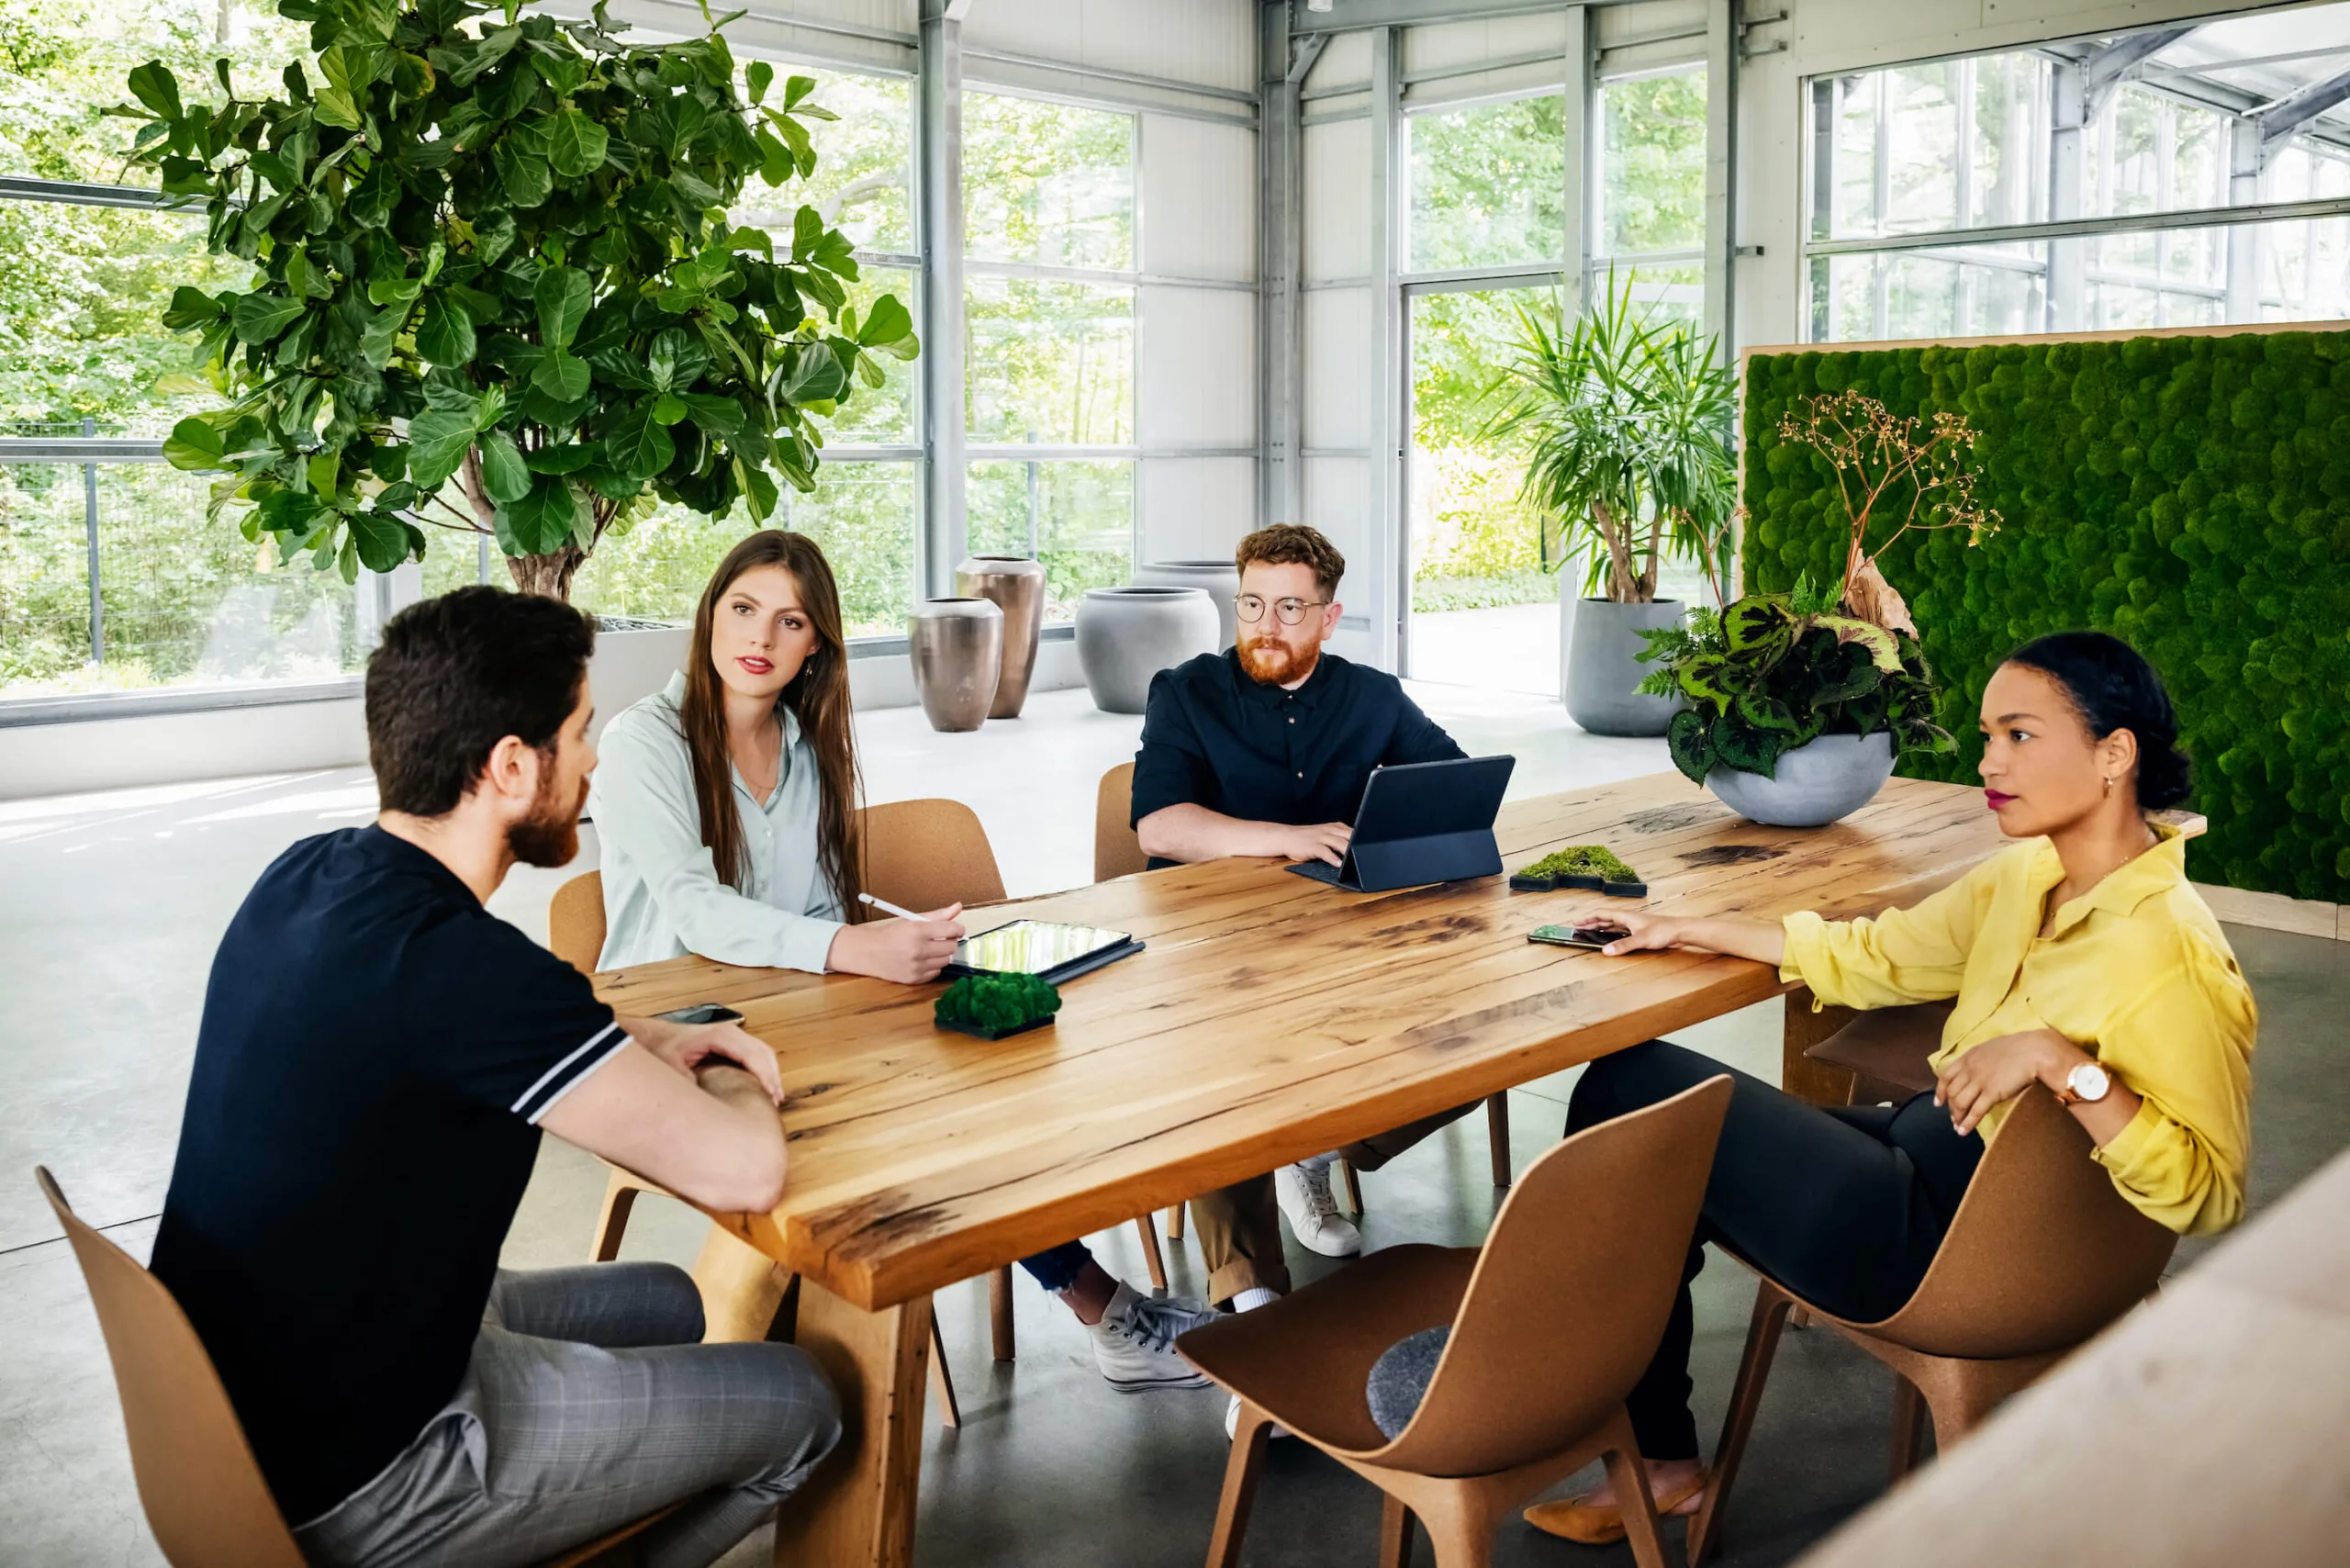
(2113, 688)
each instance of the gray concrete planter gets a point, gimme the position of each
(1221, 579)
(632, 660)
(1817, 784)
(1602, 666)
(1126, 635)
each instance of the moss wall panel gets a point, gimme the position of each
(2191, 495)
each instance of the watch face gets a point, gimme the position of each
(2088, 1081)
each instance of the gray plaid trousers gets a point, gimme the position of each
(590, 1403)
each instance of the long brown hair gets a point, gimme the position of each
(818, 697)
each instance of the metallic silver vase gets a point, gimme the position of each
(1016, 584)
(956, 646)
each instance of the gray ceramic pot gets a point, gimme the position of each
(1604, 646)
(1016, 584)
(1816, 784)
(1221, 579)
(1126, 635)
(956, 646)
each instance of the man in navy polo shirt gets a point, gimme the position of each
(377, 1057)
(1263, 750)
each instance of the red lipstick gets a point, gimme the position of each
(1995, 799)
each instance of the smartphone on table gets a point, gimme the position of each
(701, 1012)
(1594, 936)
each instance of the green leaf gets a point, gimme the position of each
(379, 341)
(885, 324)
(445, 335)
(720, 416)
(194, 445)
(493, 48)
(503, 474)
(796, 88)
(525, 174)
(758, 490)
(675, 359)
(437, 442)
(566, 459)
(1883, 651)
(384, 541)
(575, 144)
(154, 85)
(260, 318)
(561, 294)
(190, 308)
(1754, 624)
(542, 520)
(815, 375)
(668, 408)
(1689, 738)
(561, 374)
(639, 447)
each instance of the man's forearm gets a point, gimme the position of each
(744, 1097)
(1193, 833)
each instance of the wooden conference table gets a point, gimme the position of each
(1269, 1018)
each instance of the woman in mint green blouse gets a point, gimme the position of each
(726, 805)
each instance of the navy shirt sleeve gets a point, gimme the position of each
(1172, 768)
(1416, 737)
(512, 1028)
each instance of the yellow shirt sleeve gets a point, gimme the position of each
(2185, 1047)
(1903, 955)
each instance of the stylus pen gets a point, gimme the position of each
(885, 907)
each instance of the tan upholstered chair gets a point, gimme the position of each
(1553, 1322)
(2042, 1253)
(197, 1478)
(1116, 851)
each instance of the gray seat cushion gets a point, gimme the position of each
(1399, 1379)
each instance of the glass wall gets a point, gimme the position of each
(1651, 229)
(1907, 162)
(1050, 247)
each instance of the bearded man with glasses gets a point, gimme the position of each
(1263, 750)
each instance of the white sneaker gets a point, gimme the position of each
(1134, 1342)
(1304, 1193)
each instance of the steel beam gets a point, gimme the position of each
(1721, 170)
(1582, 160)
(2282, 119)
(2123, 61)
(1389, 388)
(938, 133)
(1281, 367)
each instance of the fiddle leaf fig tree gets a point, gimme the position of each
(497, 290)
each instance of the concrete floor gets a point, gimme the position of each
(110, 907)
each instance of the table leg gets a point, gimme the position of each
(858, 1510)
(741, 1288)
(1798, 1074)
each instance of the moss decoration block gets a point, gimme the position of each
(992, 1006)
(2190, 495)
(1583, 860)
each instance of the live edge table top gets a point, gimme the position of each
(1270, 1017)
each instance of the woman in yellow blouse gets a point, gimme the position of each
(2080, 959)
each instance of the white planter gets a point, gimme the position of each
(1126, 635)
(630, 666)
(1817, 784)
(1220, 579)
(1602, 669)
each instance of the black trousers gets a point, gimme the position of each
(1844, 1206)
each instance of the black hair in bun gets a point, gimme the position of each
(2114, 687)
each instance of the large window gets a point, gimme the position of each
(2073, 154)
(1050, 240)
(1651, 190)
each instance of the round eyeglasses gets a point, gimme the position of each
(1250, 608)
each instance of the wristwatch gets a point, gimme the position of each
(2085, 1084)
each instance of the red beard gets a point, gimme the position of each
(1271, 663)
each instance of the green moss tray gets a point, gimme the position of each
(980, 1032)
(996, 1007)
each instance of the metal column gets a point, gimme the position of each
(1391, 608)
(1721, 121)
(2067, 183)
(2245, 157)
(1280, 184)
(1581, 206)
(90, 529)
(938, 131)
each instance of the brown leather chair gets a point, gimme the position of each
(197, 1478)
(2042, 1253)
(1553, 1322)
(1886, 1050)
(1116, 851)
(575, 922)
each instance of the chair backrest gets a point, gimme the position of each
(575, 922)
(926, 855)
(1116, 851)
(203, 1490)
(1571, 1293)
(2043, 1252)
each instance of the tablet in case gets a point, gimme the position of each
(1422, 823)
(1051, 951)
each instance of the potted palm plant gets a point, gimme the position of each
(1625, 421)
